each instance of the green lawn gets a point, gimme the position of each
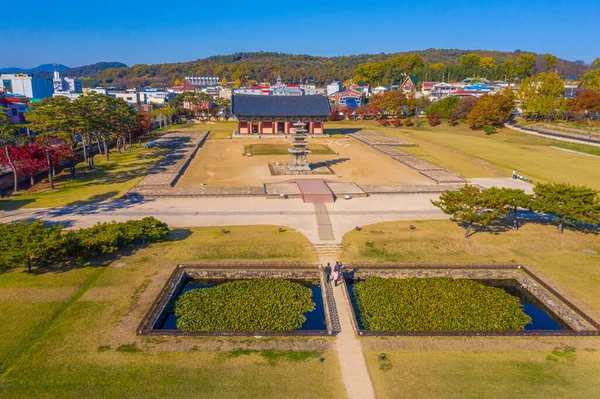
(219, 129)
(282, 149)
(239, 243)
(474, 154)
(110, 179)
(83, 344)
(479, 374)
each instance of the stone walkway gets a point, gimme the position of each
(323, 223)
(349, 349)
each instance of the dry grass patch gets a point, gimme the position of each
(561, 373)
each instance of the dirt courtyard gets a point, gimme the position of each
(221, 163)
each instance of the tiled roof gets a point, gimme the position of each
(249, 105)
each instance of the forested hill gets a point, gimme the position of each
(431, 64)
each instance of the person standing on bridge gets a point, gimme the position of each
(336, 276)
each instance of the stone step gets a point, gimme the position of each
(327, 248)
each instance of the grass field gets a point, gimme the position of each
(109, 179)
(218, 129)
(282, 149)
(562, 373)
(474, 154)
(71, 334)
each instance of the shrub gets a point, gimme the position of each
(29, 244)
(33, 243)
(433, 119)
(245, 305)
(396, 122)
(408, 122)
(436, 304)
(489, 129)
(452, 121)
(106, 238)
(443, 108)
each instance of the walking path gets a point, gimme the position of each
(349, 349)
(340, 216)
(554, 137)
(323, 223)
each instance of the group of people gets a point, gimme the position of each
(337, 272)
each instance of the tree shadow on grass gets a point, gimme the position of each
(107, 259)
(178, 235)
(341, 131)
(528, 217)
(92, 206)
(13, 204)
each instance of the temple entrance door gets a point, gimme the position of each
(255, 128)
(280, 127)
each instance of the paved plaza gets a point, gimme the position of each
(344, 215)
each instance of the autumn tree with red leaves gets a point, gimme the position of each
(433, 119)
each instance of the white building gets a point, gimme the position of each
(286, 91)
(333, 87)
(25, 85)
(441, 90)
(66, 85)
(131, 97)
(309, 90)
(202, 80)
(257, 91)
(69, 95)
(155, 96)
(225, 93)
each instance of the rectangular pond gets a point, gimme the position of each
(315, 320)
(542, 318)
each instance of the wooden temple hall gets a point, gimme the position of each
(277, 114)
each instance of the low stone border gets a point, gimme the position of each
(240, 271)
(387, 145)
(281, 169)
(183, 146)
(575, 318)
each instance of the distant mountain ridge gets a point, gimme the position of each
(37, 69)
(84, 71)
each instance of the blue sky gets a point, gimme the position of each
(85, 32)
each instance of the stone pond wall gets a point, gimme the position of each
(577, 320)
(184, 273)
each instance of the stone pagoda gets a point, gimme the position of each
(299, 162)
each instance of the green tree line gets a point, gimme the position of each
(430, 64)
(565, 204)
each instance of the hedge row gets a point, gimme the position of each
(245, 305)
(34, 243)
(436, 304)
